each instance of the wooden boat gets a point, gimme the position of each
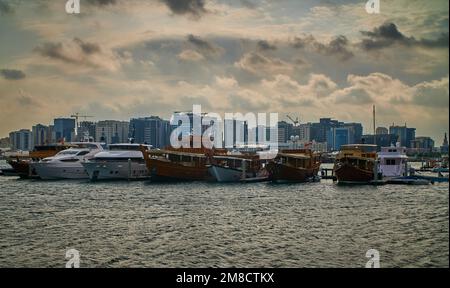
(21, 164)
(294, 165)
(185, 164)
(356, 164)
(242, 167)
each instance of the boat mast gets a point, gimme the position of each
(374, 129)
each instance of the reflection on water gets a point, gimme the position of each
(143, 224)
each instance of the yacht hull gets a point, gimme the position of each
(50, 171)
(117, 170)
(227, 174)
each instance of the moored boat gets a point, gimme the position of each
(393, 161)
(66, 164)
(295, 165)
(21, 164)
(178, 164)
(120, 162)
(242, 167)
(356, 164)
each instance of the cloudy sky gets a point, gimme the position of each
(120, 59)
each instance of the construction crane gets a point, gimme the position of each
(76, 116)
(296, 122)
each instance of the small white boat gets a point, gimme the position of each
(120, 162)
(243, 168)
(67, 164)
(393, 161)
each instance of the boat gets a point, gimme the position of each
(238, 167)
(67, 164)
(178, 164)
(121, 162)
(21, 164)
(294, 165)
(356, 164)
(393, 161)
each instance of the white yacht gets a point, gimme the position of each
(67, 163)
(393, 161)
(120, 161)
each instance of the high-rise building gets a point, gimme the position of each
(42, 135)
(303, 131)
(86, 129)
(150, 130)
(381, 130)
(112, 131)
(422, 144)
(341, 136)
(405, 134)
(64, 129)
(284, 131)
(21, 140)
(381, 140)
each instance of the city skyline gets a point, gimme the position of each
(124, 59)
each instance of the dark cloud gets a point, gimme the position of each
(12, 74)
(204, 46)
(5, 8)
(57, 50)
(53, 50)
(388, 34)
(339, 46)
(263, 45)
(102, 2)
(194, 8)
(86, 47)
(248, 4)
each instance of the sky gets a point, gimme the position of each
(119, 59)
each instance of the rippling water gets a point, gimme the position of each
(143, 224)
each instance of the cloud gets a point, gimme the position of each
(259, 64)
(207, 48)
(12, 74)
(5, 8)
(190, 55)
(263, 45)
(432, 94)
(388, 34)
(194, 8)
(338, 47)
(290, 92)
(79, 52)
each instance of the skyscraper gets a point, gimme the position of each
(21, 140)
(150, 130)
(64, 129)
(112, 131)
